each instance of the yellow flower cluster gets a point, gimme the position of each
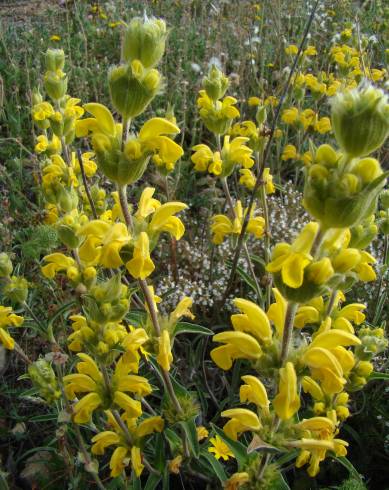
(222, 225)
(306, 119)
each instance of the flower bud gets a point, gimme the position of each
(43, 378)
(132, 88)
(364, 368)
(16, 289)
(54, 59)
(339, 192)
(56, 84)
(145, 40)
(68, 236)
(36, 96)
(360, 118)
(215, 83)
(67, 199)
(5, 265)
(363, 234)
(384, 199)
(261, 115)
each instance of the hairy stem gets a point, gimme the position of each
(288, 330)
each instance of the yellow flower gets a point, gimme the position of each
(147, 204)
(310, 386)
(323, 125)
(182, 309)
(289, 153)
(220, 448)
(254, 392)
(310, 51)
(141, 265)
(308, 118)
(103, 243)
(105, 132)
(202, 157)
(268, 180)
(238, 345)
(174, 465)
(247, 178)
(290, 116)
(55, 38)
(377, 75)
(42, 111)
(235, 152)
(164, 357)
(222, 225)
(287, 401)
(277, 311)
(90, 380)
(291, 260)
(236, 481)
(58, 262)
(162, 219)
(202, 433)
(291, 50)
(152, 138)
(318, 438)
(241, 420)
(217, 116)
(45, 145)
(253, 320)
(8, 319)
(123, 452)
(132, 343)
(254, 101)
(325, 367)
(90, 166)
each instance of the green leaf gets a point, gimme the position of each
(160, 457)
(216, 465)
(239, 450)
(375, 375)
(137, 318)
(289, 456)
(185, 327)
(349, 466)
(189, 427)
(280, 483)
(152, 482)
(259, 260)
(44, 418)
(173, 439)
(136, 484)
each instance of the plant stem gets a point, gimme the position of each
(20, 352)
(267, 235)
(150, 305)
(288, 330)
(34, 317)
(122, 191)
(331, 302)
